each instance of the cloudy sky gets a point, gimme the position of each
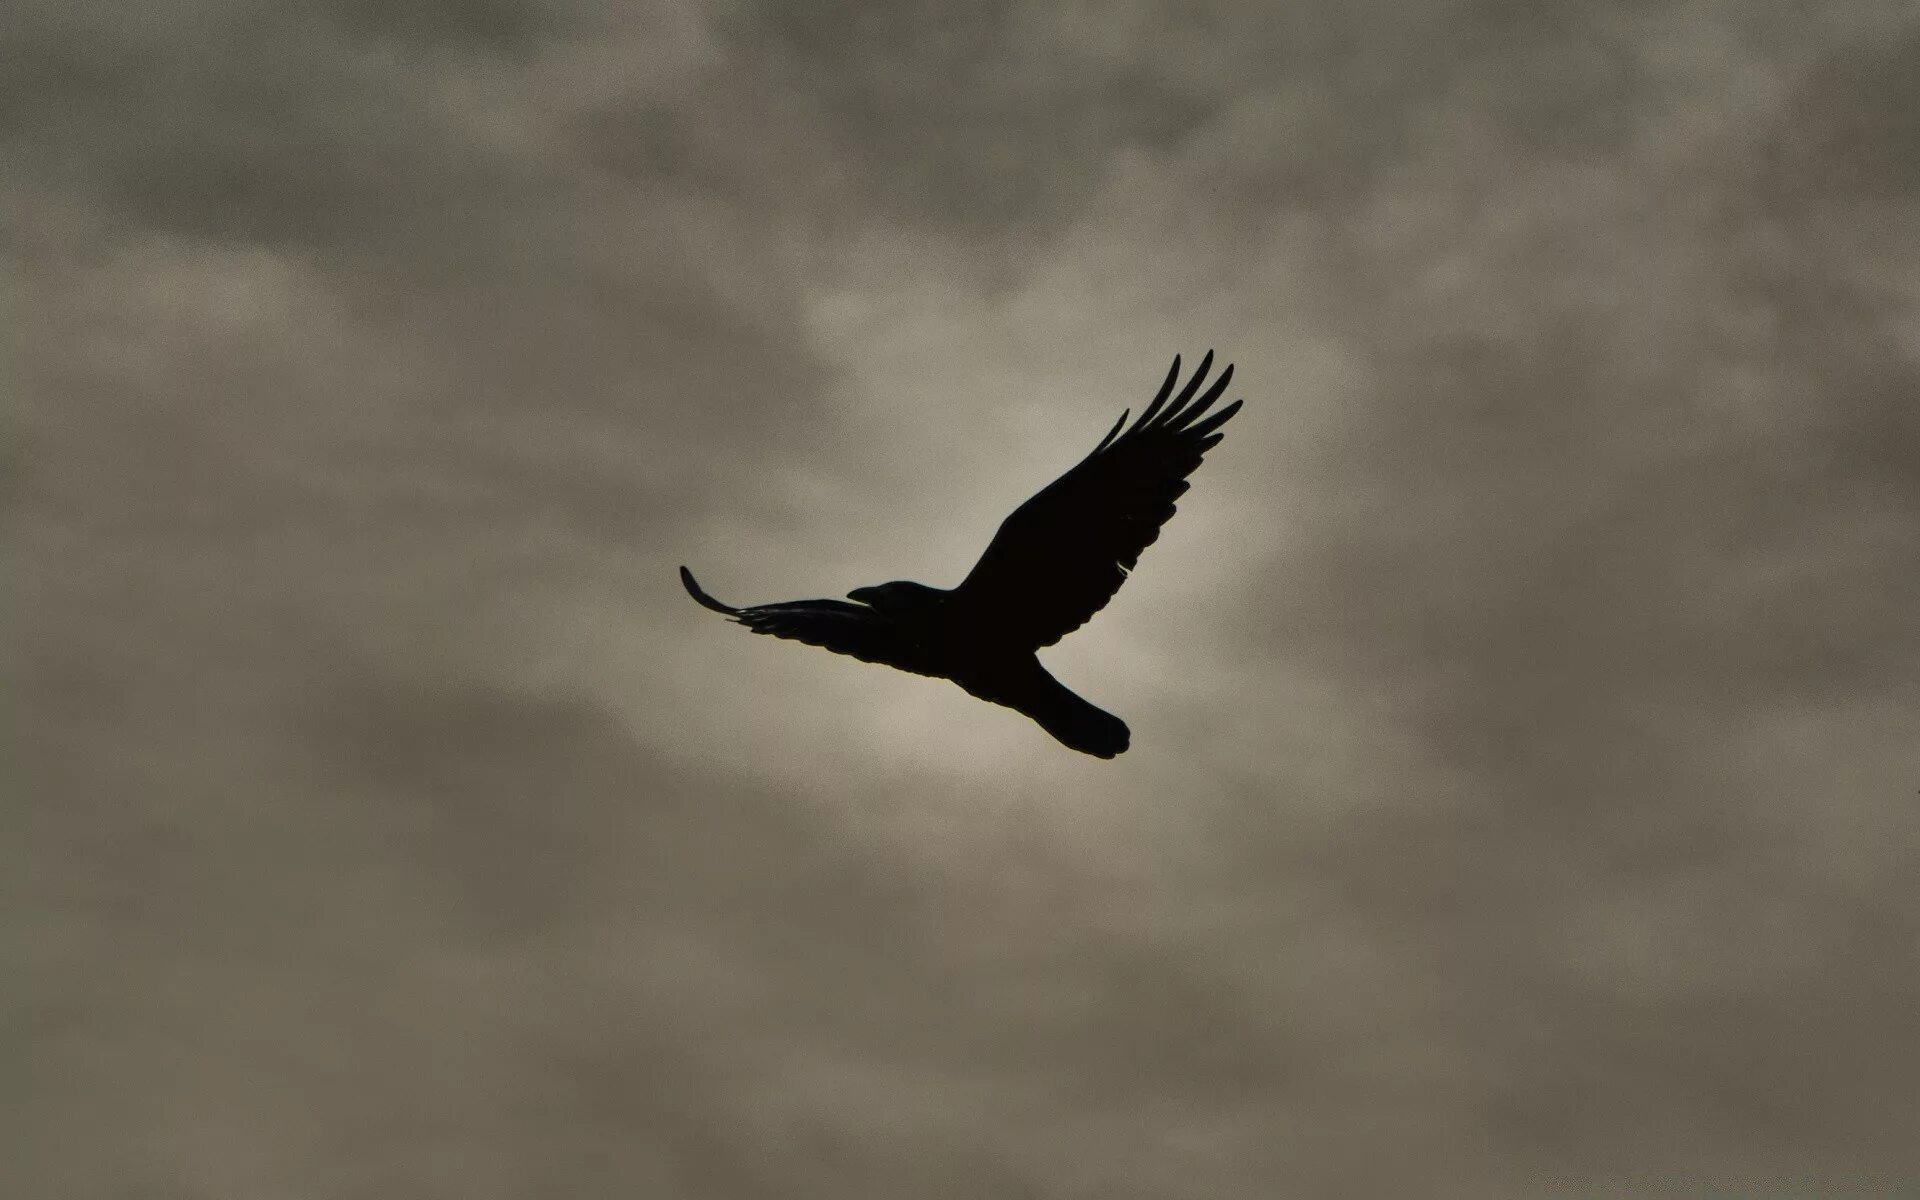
(1525, 788)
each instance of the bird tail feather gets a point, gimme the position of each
(1083, 727)
(1072, 721)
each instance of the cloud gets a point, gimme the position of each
(1522, 792)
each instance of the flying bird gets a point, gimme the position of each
(1052, 565)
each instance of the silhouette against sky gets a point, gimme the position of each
(1051, 566)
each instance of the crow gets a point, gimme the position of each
(1052, 565)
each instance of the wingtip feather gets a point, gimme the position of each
(1192, 412)
(693, 589)
(1215, 421)
(1186, 393)
(1160, 397)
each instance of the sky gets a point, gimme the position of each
(1524, 795)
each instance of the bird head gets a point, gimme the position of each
(899, 596)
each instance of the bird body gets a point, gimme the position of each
(1053, 563)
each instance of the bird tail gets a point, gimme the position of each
(1072, 721)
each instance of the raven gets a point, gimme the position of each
(1053, 564)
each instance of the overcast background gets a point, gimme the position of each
(1526, 736)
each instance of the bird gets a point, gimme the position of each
(1052, 564)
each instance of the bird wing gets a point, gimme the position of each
(837, 625)
(1063, 554)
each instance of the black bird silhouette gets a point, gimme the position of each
(1053, 564)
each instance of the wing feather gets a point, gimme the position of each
(1061, 556)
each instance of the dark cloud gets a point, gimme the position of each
(500, 26)
(1523, 794)
(1854, 134)
(966, 114)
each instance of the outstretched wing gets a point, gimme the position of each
(1063, 554)
(837, 625)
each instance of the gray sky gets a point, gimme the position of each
(1522, 799)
